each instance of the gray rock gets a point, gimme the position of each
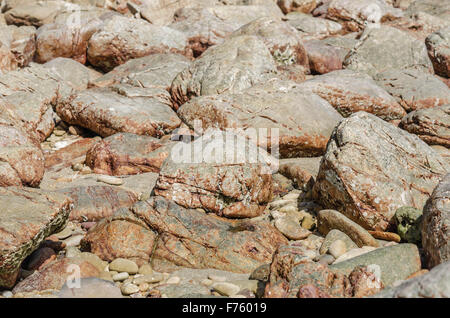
(311, 27)
(183, 290)
(434, 7)
(409, 224)
(91, 287)
(334, 235)
(438, 45)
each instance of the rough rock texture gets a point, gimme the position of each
(350, 92)
(91, 287)
(435, 225)
(125, 153)
(121, 39)
(21, 43)
(431, 125)
(322, 58)
(305, 6)
(283, 41)
(355, 14)
(371, 168)
(148, 71)
(414, 89)
(434, 7)
(438, 45)
(400, 51)
(120, 108)
(33, 12)
(66, 155)
(435, 284)
(205, 177)
(28, 216)
(281, 105)
(312, 28)
(232, 66)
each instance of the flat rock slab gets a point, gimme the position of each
(431, 125)
(28, 216)
(126, 153)
(395, 262)
(435, 229)
(350, 92)
(371, 168)
(281, 105)
(120, 108)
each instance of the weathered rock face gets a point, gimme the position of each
(312, 28)
(230, 179)
(431, 125)
(148, 71)
(276, 104)
(371, 168)
(120, 108)
(305, 6)
(438, 45)
(28, 216)
(232, 66)
(435, 284)
(208, 26)
(354, 14)
(191, 238)
(35, 13)
(400, 51)
(322, 58)
(65, 156)
(350, 92)
(414, 89)
(433, 7)
(91, 287)
(18, 46)
(125, 153)
(435, 225)
(56, 274)
(121, 39)
(283, 41)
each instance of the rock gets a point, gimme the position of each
(431, 125)
(365, 281)
(148, 71)
(369, 185)
(433, 7)
(330, 219)
(395, 262)
(409, 220)
(128, 289)
(312, 28)
(355, 14)
(435, 284)
(226, 289)
(291, 228)
(435, 230)
(400, 51)
(301, 170)
(28, 217)
(208, 241)
(94, 260)
(56, 274)
(438, 45)
(232, 66)
(110, 180)
(145, 269)
(34, 13)
(305, 6)
(414, 89)
(74, 240)
(106, 111)
(39, 258)
(186, 290)
(301, 132)
(325, 259)
(214, 183)
(126, 153)
(74, 74)
(66, 155)
(354, 253)
(261, 273)
(124, 265)
(116, 237)
(335, 235)
(385, 236)
(283, 41)
(22, 45)
(322, 58)
(149, 279)
(120, 276)
(121, 39)
(91, 288)
(350, 92)
(337, 248)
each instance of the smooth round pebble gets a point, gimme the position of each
(217, 278)
(120, 276)
(173, 280)
(124, 265)
(128, 289)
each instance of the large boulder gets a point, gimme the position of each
(27, 217)
(120, 108)
(435, 225)
(121, 39)
(414, 89)
(399, 51)
(438, 45)
(219, 172)
(371, 168)
(232, 66)
(350, 92)
(281, 105)
(431, 125)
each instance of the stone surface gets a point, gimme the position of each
(305, 6)
(91, 288)
(438, 45)
(350, 92)
(28, 217)
(123, 265)
(431, 125)
(333, 236)
(322, 58)
(312, 28)
(369, 185)
(435, 225)
(283, 105)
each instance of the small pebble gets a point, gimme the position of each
(144, 287)
(206, 282)
(128, 289)
(110, 180)
(174, 280)
(77, 167)
(7, 294)
(337, 248)
(226, 289)
(74, 240)
(153, 278)
(86, 170)
(65, 233)
(217, 278)
(120, 276)
(124, 265)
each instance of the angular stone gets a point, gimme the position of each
(350, 92)
(302, 171)
(312, 28)
(66, 155)
(291, 228)
(333, 236)
(322, 58)
(435, 225)
(305, 6)
(232, 66)
(438, 45)
(433, 7)
(33, 12)
(371, 168)
(27, 218)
